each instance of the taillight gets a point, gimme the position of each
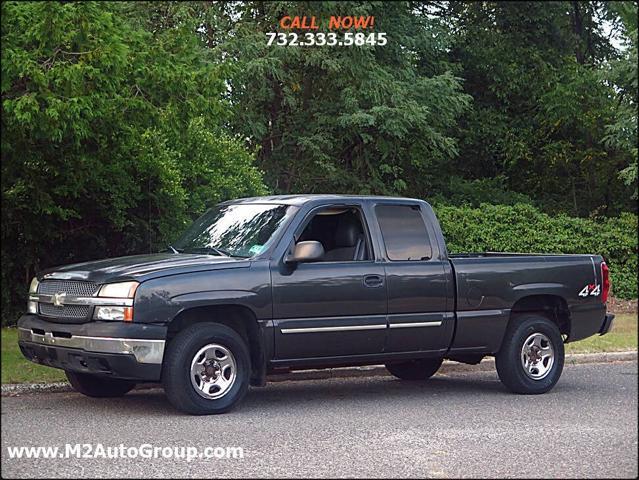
(605, 282)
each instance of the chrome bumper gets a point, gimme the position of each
(145, 351)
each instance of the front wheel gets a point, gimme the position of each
(421, 369)
(206, 369)
(531, 358)
(98, 386)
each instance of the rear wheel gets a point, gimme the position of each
(531, 358)
(206, 369)
(421, 369)
(98, 386)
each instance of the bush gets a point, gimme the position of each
(523, 228)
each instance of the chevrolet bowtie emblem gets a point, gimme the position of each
(58, 299)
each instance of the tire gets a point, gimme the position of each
(206, 369)
(421, 369)
(543, 372)
(98, 386)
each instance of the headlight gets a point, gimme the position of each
(32, 307)
(124, 314)
(116, 290)
(119, 290)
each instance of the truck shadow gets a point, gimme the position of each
(303, 396)
(376, 390)
(291, 395)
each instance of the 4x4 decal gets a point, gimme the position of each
(591, 289)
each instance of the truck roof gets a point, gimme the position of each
(302, 198)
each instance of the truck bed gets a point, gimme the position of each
(489, 286)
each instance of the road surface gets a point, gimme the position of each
(457, 425)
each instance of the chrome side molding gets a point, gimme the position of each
(350, 328)
(345, 328)
(416, 324)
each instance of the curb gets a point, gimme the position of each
(14, 389)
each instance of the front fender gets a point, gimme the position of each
(161, 299)
(211, 298)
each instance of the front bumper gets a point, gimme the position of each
(117, 349)
(606, 326)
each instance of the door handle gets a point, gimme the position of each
(373, 281)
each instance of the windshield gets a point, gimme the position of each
(237, 230)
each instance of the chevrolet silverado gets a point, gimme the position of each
(264, 285)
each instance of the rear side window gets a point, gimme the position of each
(404, 232)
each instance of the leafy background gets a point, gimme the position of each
(123, 121)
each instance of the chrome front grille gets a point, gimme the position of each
(70, 287)
(66, 311)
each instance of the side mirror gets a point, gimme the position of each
(309, 251)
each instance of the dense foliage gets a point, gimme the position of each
(360, 120)
(542, 103)
(123, 120)
(533, 99)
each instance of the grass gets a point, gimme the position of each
(623, 336)
(16, 369)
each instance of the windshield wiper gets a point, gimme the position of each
(219, 251)
(227, 253)
(173, 249)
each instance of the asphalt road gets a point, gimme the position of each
(459, 425)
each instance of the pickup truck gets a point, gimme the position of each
(258, 286)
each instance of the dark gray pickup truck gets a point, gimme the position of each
(264, 285)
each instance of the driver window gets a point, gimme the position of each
(341, 232)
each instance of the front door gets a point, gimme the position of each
(335, 307)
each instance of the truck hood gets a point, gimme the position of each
(141, 267)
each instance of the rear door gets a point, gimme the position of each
(418, 278)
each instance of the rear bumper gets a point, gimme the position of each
(607, 324)
(116, 349)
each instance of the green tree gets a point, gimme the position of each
(621, 134)
(352, 119)
(534, 70)
(112, 137)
